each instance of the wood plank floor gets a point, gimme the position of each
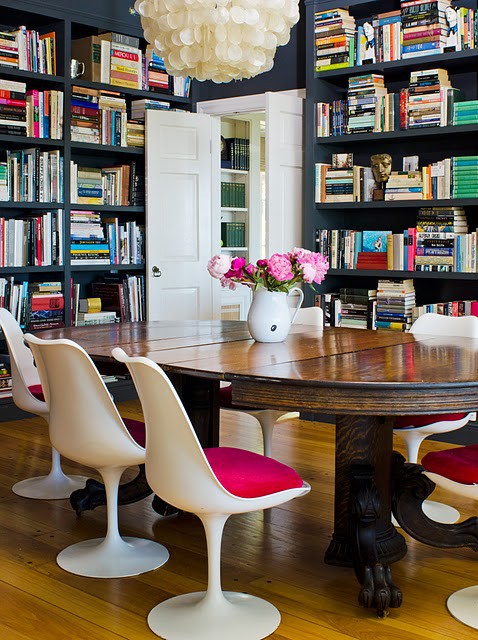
(277, 555)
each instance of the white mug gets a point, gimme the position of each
(77, 68)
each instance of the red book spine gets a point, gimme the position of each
(54, 301)
(403, 108)
(412, 246)
(126, 55)
(474, 308)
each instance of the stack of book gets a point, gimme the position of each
(364, 115)
(387, 36)
(13, 108)
(157, 78)
(358, 308)
(339, 185)
(85, 115)
(28, 50)
(86, 319)
(404, 185)
(135, 133)
(430, 99)
(374, 250)
(86, 185)
(465, 112)
(138, 107)
(334, 39)
(46, 306)
(237, 154)
(424, 27)
(437, 238)
(395, 304)
(465, 176)
(9, 50)
(123, 294)
(126, 61)
(88, 244)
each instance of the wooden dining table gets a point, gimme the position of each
(364, 378)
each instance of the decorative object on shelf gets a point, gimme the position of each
(219, 40)
(381, 168)
(269, 317)
(77, 68)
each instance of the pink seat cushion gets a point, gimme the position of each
(136, 429)
(459, 465)
(225, 399)
(408, 422)
(249, 475)
(37, 392)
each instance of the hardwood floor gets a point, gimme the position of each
(277, 554)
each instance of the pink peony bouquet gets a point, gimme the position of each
(280, 272)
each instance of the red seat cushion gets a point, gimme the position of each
(137, 430)
(408, 422)
(37, 392)
(249, 475)
(459, 465)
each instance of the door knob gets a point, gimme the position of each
(156, 272)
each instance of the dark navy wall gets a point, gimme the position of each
(288, 72)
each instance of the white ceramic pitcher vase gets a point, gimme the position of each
(270, 317)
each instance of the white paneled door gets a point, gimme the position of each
(178, 216)
(284, 172)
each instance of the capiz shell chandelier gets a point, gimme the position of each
(219, 40)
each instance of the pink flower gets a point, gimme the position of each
(280, 267)
(251, 269)
(227, 283)
(219, 265)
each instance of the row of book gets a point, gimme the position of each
(417, 29)
(117, 59)
(35, 240)
(5, 379)
(233, 234)
(28, 49)
(100, 117)
(439, 242)
(428, 101)
(236, 154)
(123, 294)
(94, 240)
(112, 185)
(455, 177)
(233, 194)
(33, 113)
(389, 306)
(32, 175)
(35, 305)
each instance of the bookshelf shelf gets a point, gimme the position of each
(396, 68)
(103, 208)
(354, 273)
(411, 134)
(19, 270)
(31, 205)
(19, 74)
(23, 141)
(136, 93)
(105, 149)
(107, 268)
(240, 172)
(237, 209)
(399, 204)
(431, 145)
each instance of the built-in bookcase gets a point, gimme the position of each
(429, 144)
(69, 24)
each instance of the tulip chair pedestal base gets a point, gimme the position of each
(117, 558)
(463, 605)
(51, 487)
(237, 616)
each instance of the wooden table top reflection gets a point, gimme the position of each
(363, 377)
